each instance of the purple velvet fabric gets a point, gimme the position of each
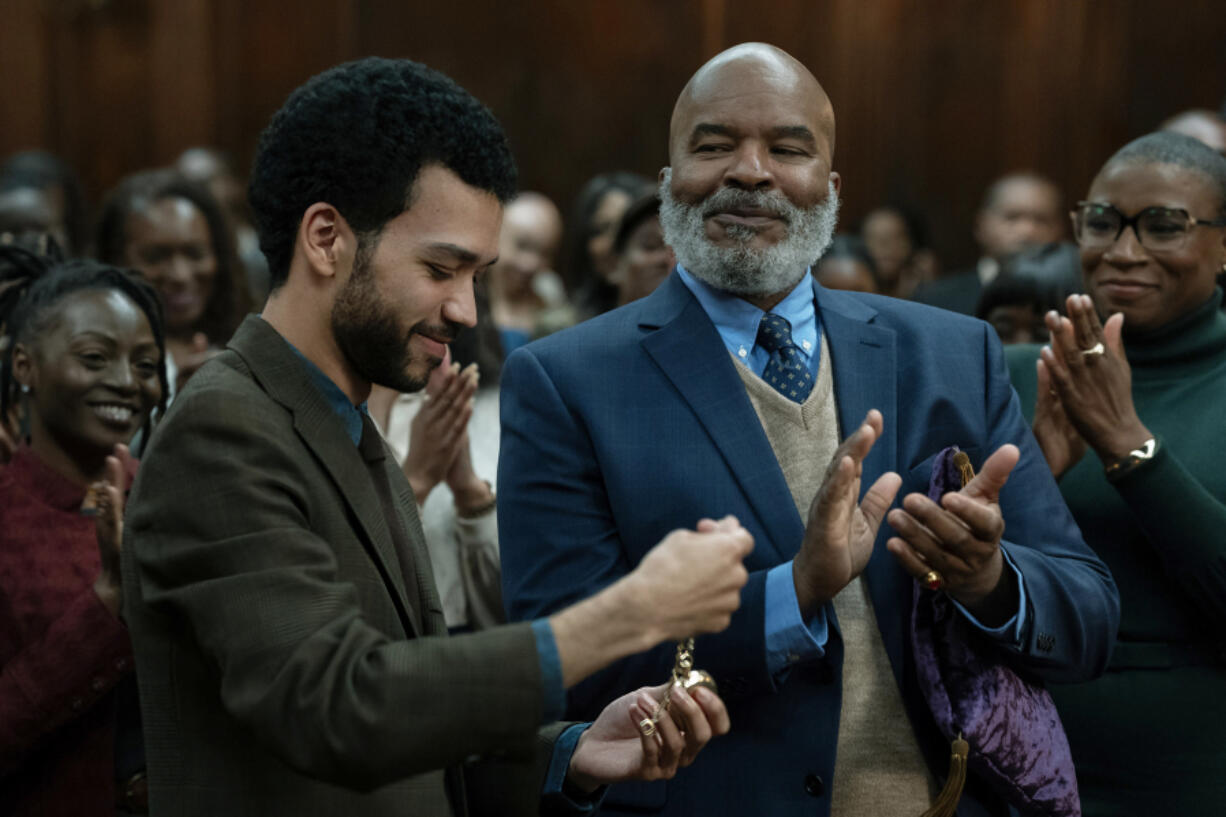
(1017, 743)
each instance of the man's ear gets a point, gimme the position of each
(837, 181)
(325, 239)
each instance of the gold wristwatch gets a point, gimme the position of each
(1134, 460)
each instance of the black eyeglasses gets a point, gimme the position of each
(1159, 229)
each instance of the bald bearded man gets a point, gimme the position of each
(728, 390)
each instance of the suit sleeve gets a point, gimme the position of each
(560, 543)
(220, 541)
(1073, 607)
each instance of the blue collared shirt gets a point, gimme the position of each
(790, 639)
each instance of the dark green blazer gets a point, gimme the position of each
(284, 665)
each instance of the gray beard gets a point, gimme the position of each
(742, 269)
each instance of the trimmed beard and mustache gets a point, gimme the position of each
(371, 338)
(740, 268)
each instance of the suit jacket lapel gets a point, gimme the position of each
(274, 365)
(864, 357)
(432, 612)
(688, 349)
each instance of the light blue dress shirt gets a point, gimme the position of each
(790, 639)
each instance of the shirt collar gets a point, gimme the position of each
(349, 414)
(736, 319)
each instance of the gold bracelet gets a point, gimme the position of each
(1133, 461)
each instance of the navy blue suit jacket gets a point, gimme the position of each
(636, 423)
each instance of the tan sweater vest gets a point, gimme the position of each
(879, 769)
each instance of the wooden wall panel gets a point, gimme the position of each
(101, 75)
(25, 103)
(934, 98)
(183, 95)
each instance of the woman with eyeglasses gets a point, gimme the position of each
(1127, 403)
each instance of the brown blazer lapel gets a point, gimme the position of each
(432, 613)
(280, 373)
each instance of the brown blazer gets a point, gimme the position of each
(284, 666)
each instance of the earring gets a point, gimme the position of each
(25, 388)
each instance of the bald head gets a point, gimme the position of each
(531, 230)
(749, 199)
(747, 72)
(1204, 126)
(535, 211)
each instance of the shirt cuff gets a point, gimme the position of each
(553, 692)
(1011, 631)
(555, 797)
(789, 640)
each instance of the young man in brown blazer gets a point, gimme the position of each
(290, 644)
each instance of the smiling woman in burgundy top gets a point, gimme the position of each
(1127, 405)
(85, 358)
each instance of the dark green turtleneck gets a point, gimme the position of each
(1150, 736)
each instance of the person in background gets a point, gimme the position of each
(445, 438)
(1201, 124)
(527, 246)
(23, 257)
(175, 234)
(1031, 283)
(1019, 210)
(1125, 404)
(847, 265)
(287, 631)
(897, 240)
(214, 169)
(60, 191)
(587, 247)
(643, 259)
(727, 391)
(30, 211)
(86, 360)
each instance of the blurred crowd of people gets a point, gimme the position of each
(106, 312)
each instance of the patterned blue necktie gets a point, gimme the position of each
(786, 371)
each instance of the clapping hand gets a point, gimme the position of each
(1084, 370)
(110, 492)
(840, 532)
(959, 538)
(440, 428)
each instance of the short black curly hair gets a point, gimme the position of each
(356, 137)
(1165, 147)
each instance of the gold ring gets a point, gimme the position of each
(933, 580)
(647, 727)
(1096, 349)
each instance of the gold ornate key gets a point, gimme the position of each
(684, 676)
